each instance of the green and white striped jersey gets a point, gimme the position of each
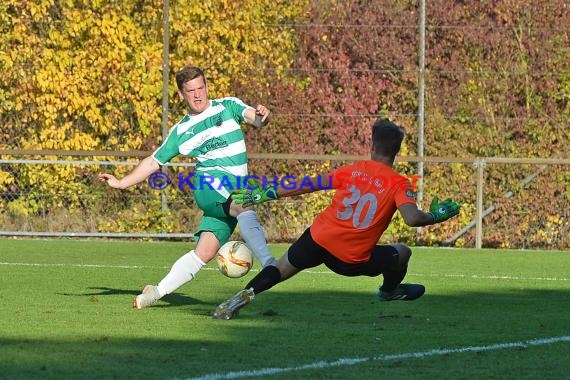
(214, 138)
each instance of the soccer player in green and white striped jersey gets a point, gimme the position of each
(211, 134)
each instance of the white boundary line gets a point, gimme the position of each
(407, 355)
(489, 277)
(79, 265)
(451, 275)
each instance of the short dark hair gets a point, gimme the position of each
(387, 138)
(188, 73)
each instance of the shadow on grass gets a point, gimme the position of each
(174, 299)
(283, 329)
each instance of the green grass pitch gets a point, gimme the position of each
(66, 312)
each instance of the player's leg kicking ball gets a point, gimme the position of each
(148, 296)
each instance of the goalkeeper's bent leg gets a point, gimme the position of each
(394, 275)
(393, 278)
(266, 279)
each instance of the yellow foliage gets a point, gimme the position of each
(228, 43)
(98, 65)
(6, 178)
(87, 75)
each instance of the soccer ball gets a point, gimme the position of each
(234, 259)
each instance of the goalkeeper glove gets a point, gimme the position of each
(442, 211)
(254, 194)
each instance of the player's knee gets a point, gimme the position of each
(404, 252)
(286, 269)
(233, 209)
(207, 246)
(206, 255)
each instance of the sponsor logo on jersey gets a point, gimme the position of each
(213, 144)
(410, 194)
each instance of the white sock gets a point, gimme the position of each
(182, 271)
(253, 235)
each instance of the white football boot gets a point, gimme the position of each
(148, 296)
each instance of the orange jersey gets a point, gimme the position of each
(367, 196)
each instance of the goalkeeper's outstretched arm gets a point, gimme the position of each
(414, 217)
(309, 185)
(438, 212)
(257, 194)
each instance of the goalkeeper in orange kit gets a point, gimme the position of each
(345, 235)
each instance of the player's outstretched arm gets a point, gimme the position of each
(145, 168)
(438, 212)
(256, 194)
(258, 117)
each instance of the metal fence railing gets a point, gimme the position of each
(75, 205)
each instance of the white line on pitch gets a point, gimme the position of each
(407, 355)
(95, 266)
(474, 276)
(79, 265)
(489, 277)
